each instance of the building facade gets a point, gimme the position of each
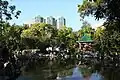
(58, 23)
(51, 20)
(39, 19)
(61, 22)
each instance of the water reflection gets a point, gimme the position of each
(60, 69)
(96, 76)
(77, 73)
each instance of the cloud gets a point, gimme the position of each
(97, 24)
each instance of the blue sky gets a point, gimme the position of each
(55, 8)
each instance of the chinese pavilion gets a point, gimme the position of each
(85, 43)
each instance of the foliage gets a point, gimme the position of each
(11, 37)
(66, 36)
(99, 32)
(7, 10)
(107, 43)
(38, 36)
(39, 31)
(86, 28)
(108, 10)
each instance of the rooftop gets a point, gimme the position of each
(86, 38)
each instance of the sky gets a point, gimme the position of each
(56, 8)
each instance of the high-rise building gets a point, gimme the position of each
(61, 22)
(44, 20)
(51, 20)
(39, 19)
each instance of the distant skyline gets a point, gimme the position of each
(57, 22)
(56, 8)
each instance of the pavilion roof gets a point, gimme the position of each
(85, 38)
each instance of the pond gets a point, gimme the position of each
(56, 69)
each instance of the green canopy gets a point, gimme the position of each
(86, 38)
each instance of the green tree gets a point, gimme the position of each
(108, 10)
(109, 40)
(98, 36)
(38, 35)
(7, 11)
(86, 28)
(101, 9)
(99, 32)
(11, 37)
(67, 37)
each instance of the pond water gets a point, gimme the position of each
(57, 69)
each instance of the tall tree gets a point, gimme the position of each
(6, 13)
(86, 28)
(109, 41)
(11, 37)
(106, 9)
(7, 10)
(67, 37)
(38, 35)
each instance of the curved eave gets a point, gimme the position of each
(85, 41)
